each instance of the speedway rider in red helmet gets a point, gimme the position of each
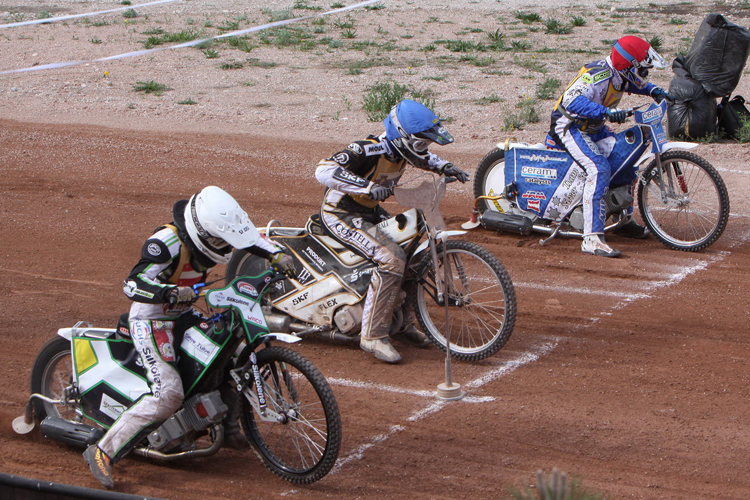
(578, 127)
(358, 178)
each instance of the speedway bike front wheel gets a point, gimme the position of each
(302, 444)
(481, 301)
(687, 206)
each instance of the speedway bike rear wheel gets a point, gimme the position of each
(52, 376)
(481, 301)
(303, 445)
(689, 209)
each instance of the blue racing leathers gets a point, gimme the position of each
(578, 126)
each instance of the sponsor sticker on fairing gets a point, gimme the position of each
(539, 172)
(247, 289)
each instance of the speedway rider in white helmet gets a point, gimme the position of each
(205, 230)
(578, 126)
(358, 178)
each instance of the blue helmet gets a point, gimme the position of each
(411, 126)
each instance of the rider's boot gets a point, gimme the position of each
(408, 332)
(233, 436)
(594, 244)
(631, 229)
(381, 349)
(412, 336)
(100, 465)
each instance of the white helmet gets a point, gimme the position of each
(216, 224)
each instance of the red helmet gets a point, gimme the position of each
(633, 57)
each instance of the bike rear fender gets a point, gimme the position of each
(84, 329)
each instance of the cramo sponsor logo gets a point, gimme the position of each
(314, 256)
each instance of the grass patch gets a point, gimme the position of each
(553, 26)
(381, 97)
(527, 17)
(547, 89)
(527, 113)
(188, 102)
(150, 87)
(743, 133)
(179, 37)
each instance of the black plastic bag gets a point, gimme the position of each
(732, 114)
(718, 55)
(693, 115)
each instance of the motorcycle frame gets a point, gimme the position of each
(255, 334)
(659, 146)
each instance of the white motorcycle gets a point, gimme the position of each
(327, 297)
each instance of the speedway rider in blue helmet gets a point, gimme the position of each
(578, 127)
(357, 179)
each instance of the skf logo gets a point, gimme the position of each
(300, 299)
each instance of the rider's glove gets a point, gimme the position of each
(450, 170)
(616, 115)
(284, 264)
(181, 295)
(380, 193)
(659, 94)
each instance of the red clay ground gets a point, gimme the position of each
(630, 373)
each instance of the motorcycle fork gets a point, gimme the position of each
(268, 388)
(666, 180)
(444, 286)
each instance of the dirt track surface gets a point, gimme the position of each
(631, 373)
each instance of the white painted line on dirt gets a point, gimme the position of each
(732, 171)
(400, 390)
(570, 289)
(43, 277)
(493, 374)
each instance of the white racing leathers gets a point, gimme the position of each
(577, 126)
(350, 215)
(154, 326)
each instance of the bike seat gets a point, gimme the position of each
(317, 230)
(123, 326)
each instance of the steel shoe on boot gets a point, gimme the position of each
(595, 245)
(412, 336)
(236, 441)
(631, 229)
(381, 349)
(100, 465)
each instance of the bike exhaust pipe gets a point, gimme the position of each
(278, 323)
(509, 223)
(68, 432)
